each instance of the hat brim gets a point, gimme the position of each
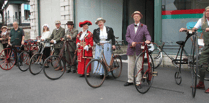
(100, 20)
(137, 13)
(4, 28)
(69, 24)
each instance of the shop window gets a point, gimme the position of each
(184, 4)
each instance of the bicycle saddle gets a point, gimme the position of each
(180, 42)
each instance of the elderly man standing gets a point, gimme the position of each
(135, 33)
(17, 36)
(57, 34)
(71, 35)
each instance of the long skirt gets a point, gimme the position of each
(107, 54)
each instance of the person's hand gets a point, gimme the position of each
(22, 42)
(68, 36)
(182, 29)
(207, 29)
(42, 39)
(133, 44)
(9, 43)
(52, 41)
(147, 42)
(62, 39)
(86, 48)
(78, 45)
(113, 47)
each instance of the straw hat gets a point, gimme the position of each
(100, 19)
(137, 12)
(4, 27)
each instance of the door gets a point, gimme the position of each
(146, 7)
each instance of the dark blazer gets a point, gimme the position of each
(110, 34)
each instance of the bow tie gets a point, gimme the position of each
(135, 25)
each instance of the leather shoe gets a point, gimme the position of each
(127, 84)
(74, 71)
(207, 91)
(81, 76)
(69, 71)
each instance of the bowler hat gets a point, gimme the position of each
(70, 23)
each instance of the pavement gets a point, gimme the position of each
(22, 87)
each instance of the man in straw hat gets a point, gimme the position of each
(204, 57)
(57, 34)
(135, 33)
(71, 35)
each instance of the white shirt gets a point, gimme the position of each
(4, 33)
(45, 35)
(136, 28)
(103, 33)
(199, 23)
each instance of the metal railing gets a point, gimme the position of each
(10, 20)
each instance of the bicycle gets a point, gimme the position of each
(59, 61)
(36, 61)
(93, 78)
(144, 70)
(8, 56)
(157, 55)
(30, 48)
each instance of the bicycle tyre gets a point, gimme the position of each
(117, 63)
(50, 72)
(146, 83)
(94, 77)
(23, 61)
(8, 61)
(157, 57)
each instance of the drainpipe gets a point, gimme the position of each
(158, 21)
(39, 21)
(74, 18)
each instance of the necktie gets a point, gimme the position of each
(135, 25)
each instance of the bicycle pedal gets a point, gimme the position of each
(155, 73)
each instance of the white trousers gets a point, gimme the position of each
(131, 66)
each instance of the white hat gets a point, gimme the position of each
(45, 25)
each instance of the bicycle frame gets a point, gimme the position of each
(145, 51)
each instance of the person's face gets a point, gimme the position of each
(137, 17)
(70, 26)
(45, 27)
(15, 25)
(85, 27)
(101, 24)
(58, 25)
(4, 29)
(207, 13)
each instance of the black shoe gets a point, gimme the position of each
(46, 66)
(101, 76)
(127, 84)
(69, 71)
(74, 71)
(81, 76)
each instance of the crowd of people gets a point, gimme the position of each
(84, 40)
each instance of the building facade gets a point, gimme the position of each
(164, 18)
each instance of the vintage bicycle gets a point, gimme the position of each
(59, 61)
(30, 48)
(144, 69)
(93, 78)
(8, 58)
(37, 60)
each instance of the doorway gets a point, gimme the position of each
(146, 7)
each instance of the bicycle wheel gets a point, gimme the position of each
(96, 69)
(144, 76)
(7, 59)
(178, 78)
(36, 64)
(117, 66)
(23, 61)
(157, 57)
(53, 72)
(194, 66)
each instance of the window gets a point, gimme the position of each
(184, 4)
